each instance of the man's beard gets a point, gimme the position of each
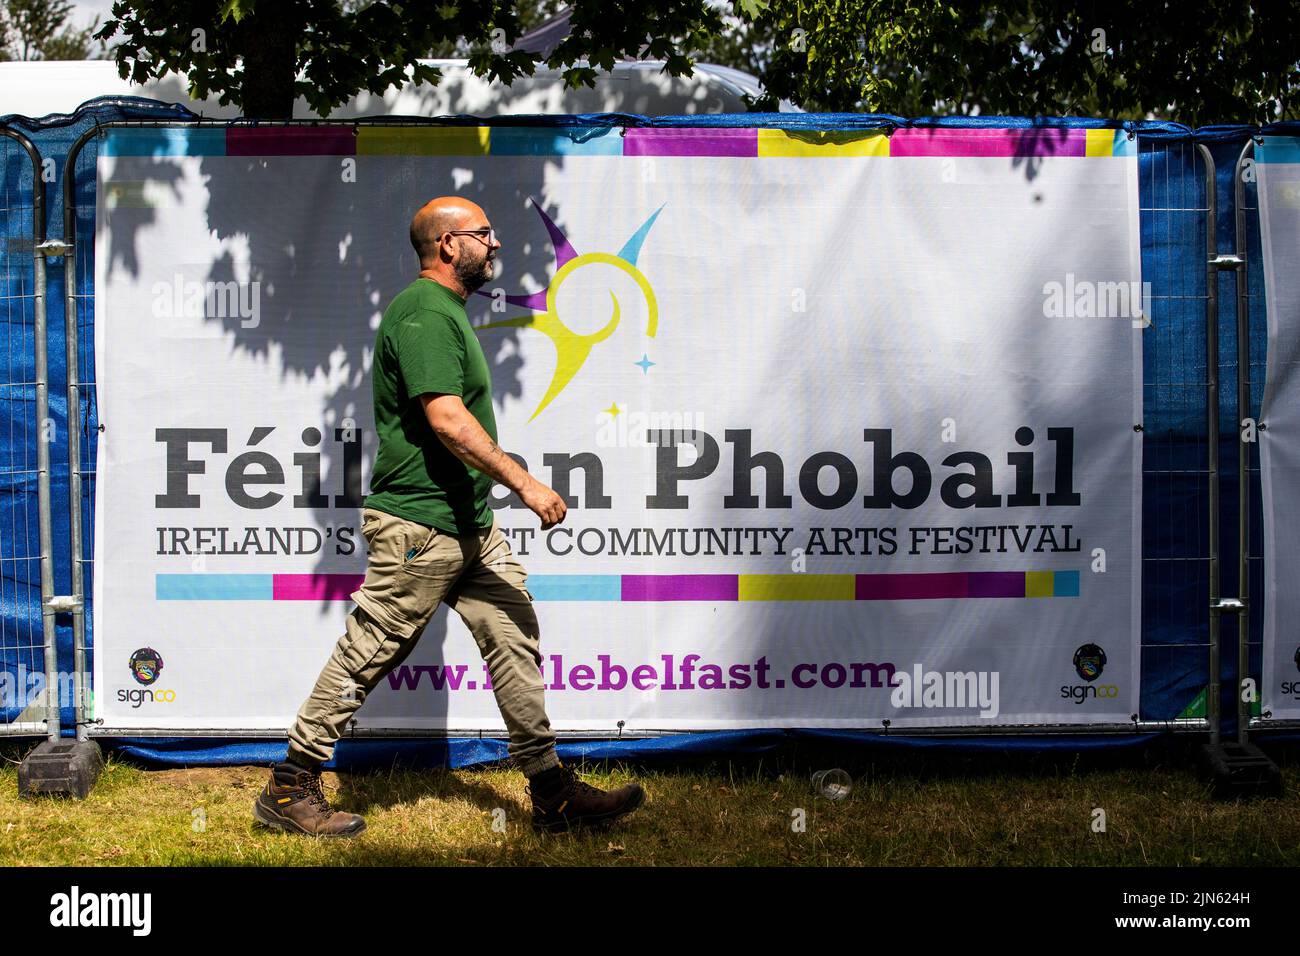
(473, 274)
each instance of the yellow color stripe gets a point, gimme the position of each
(422, 141)
(780, 142)
(1039, 584)
(795, 587)
(1100, 142)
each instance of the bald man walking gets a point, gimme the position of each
(432, 538)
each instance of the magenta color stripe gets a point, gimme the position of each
(956, 584)
(895, 587)
(314, 587)
(681, 587)
(988, 142)
(999, 584)
(290, 141)
(691, 142)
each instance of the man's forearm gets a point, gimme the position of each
(469, 441)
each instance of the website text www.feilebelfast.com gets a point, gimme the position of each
(668, 672)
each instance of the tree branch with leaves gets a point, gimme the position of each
(262, 54)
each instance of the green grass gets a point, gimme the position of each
(904, 810)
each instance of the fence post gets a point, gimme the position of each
(52, 727)
(1212, 435)
(74, 433)
(1243, 446)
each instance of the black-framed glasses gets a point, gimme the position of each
(487, 232)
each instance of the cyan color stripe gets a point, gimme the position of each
(1123, 146)
(1065, 584)
(568, 141)
(164, 141)
(575, 587)
(1279, 149)
(213, 587)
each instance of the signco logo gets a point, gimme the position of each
(571, 348)
(1292, 687)
(146, 668)
(1089, 662)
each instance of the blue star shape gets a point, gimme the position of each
(645, 363)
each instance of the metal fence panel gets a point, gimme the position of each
(1177, 463)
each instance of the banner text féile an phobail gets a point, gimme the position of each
(967, 480)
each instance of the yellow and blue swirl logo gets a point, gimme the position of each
(572, 349)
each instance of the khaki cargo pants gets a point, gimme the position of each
(412, 569)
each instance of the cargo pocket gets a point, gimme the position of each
(428, 564)
(390, 593)
(360, 651)
(415, 542)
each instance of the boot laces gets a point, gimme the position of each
(570, 787)
(311, 784)
(574, 786)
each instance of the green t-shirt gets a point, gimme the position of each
(425, 344)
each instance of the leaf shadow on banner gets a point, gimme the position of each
(1040, 142)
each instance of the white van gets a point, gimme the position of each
(39, 88)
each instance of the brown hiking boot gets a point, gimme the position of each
(580, 804)
(302, 808)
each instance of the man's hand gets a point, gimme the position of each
(467, 440)
(545, 503)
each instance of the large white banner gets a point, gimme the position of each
(1278, 170)
(845, 422)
